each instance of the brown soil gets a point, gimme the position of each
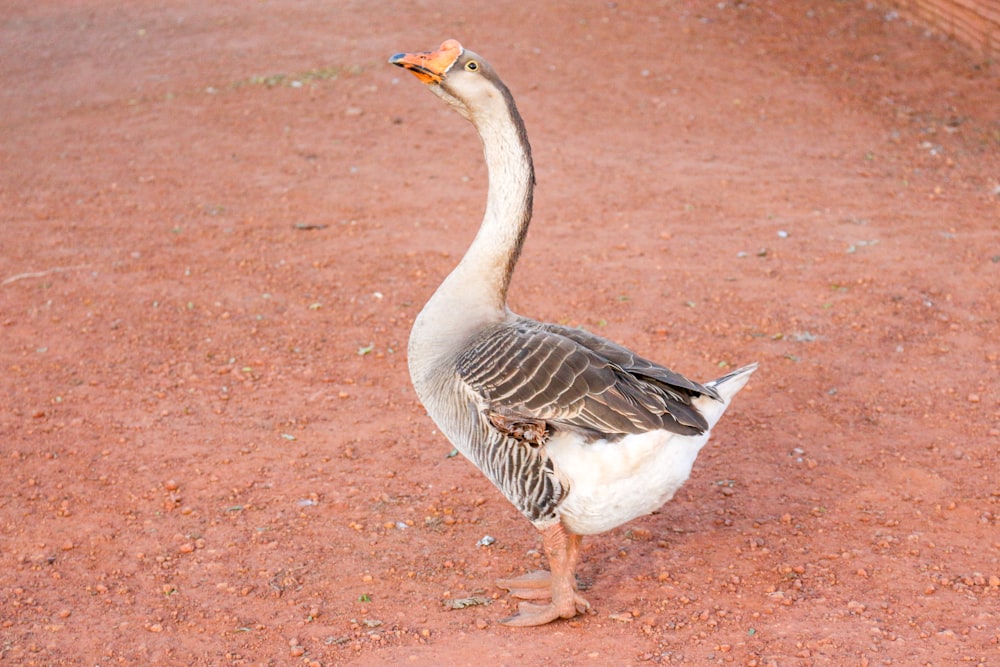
(219, 220)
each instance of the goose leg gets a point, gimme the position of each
(537, 585)
(563, 551)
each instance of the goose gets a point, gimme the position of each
(579, 433)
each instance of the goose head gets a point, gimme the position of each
(460, 77)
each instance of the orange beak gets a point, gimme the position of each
(430, 66)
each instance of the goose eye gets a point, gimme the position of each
(472, 66)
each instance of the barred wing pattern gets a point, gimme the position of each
(525, 475)
(574, 380)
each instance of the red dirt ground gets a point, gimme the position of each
(219, 220)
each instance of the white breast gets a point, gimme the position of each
(615, 482)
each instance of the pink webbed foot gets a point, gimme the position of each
(535, 585)
(529, 614)
(559, 585)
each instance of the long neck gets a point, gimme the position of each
(483, 276)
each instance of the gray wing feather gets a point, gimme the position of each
(573, 379)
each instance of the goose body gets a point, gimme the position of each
(579, 433)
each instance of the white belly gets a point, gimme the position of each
(615, 482)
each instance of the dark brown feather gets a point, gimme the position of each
(572, 379)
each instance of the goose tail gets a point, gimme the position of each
(727, 386)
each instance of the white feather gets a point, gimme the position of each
(614, 482)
